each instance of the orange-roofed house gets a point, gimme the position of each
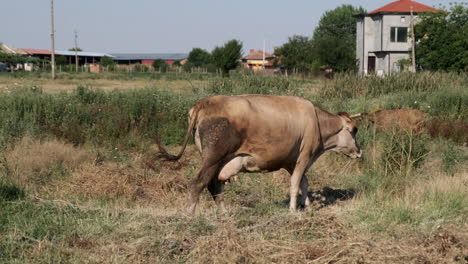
(254, 60)
(383, 37)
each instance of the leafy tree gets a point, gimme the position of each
(228, 56)
(16, 59)
(160, 65)
(61, 60)
(176, 63)
(334, 39)
(442, 40)
(199, 57)
(297, 53)
(107, 62)
(75, 49)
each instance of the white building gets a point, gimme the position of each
(383, 36)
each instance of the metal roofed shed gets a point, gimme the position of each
(82, 53)
(148, 58)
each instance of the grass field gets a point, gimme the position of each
(79, 181)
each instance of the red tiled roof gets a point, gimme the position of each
(257, 55)
(404, 6)
(37, 51)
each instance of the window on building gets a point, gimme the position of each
(399, 34)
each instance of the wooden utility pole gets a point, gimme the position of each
(52, 36)
(76, 49)
(413, 44)
(263, 56)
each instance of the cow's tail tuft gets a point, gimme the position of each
(163, 154)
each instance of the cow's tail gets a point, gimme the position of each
(193, 114)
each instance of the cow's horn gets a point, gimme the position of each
(355, 115)
(360, 115)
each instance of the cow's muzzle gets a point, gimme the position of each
(356, 154)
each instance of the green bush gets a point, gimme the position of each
(403, 152)
(93, 115)
(346, 85)
(452, 157)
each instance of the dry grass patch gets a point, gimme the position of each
(34, 163)
(140, 179)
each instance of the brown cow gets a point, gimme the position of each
(258, 133)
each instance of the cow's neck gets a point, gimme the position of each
(330, 125)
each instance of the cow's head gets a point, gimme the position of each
(345, 139)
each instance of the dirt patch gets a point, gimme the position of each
(328, 196)
(450, 129)
(400, 119)
(81, 243)
(418, 121)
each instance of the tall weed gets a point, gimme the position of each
(346, 85)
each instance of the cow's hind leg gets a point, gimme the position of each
(218, 141)
(199, 183)
(216, 189)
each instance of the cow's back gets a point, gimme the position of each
(271, 126)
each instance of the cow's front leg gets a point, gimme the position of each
(304, 192)
(296, 178)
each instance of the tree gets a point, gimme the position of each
(442, 40)
(14, 59)
(61, 60)
(334, 39)
(107, 62)
(75, 49)
(228, 56)
(199, 57)
(160, 65)
(296, 54)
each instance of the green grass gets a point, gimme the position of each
(87, 210)
(383, 213)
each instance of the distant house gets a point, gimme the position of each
(254, 60)
(42, 54)
(10, 50)
(383, 36)
(17, 52)
(84, 57)
(148, 58)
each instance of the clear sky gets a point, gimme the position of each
(165, 26)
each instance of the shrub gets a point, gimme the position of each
(107, 62)
(346, 85)
(403, 152)
(160, 65)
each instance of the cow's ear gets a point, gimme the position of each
(343, 114)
